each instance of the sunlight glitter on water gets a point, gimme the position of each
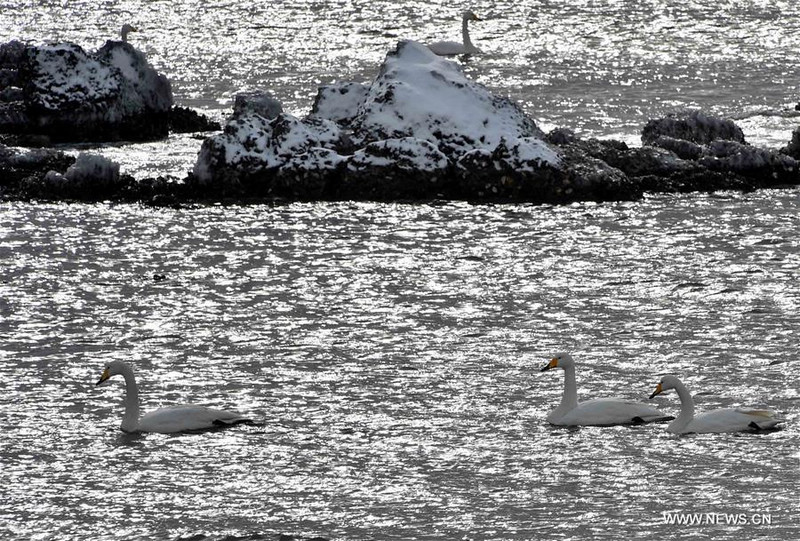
(397, 375)
(393, 351)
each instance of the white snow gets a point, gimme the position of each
(418, 94)
(93, 168)
(316, 159)
(66, 74)
(528, 153)
(253, 142)
(420, 114)
(339, 102)
(406, 153)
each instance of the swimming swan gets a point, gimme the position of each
(596, 412)
(718, 420)
(448, 48)
(165, 420)
(125, 30)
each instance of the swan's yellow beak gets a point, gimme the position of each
(658, 390)
(552, 364)
(103, 377)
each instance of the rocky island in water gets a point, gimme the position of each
(421, 130)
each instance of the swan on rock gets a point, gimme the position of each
(718, 420)
(596, 412)
(125, 30)
(449, 48)
(165, 420)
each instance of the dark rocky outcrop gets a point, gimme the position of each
(60, 93)
(793, 148)
(420, 131)
(695, 126)
(185, 120)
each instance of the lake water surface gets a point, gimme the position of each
(392, 352)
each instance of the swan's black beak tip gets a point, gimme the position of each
(103, 377)
(552, 364)
(658, 391)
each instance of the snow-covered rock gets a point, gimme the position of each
(309, 176)
(252, 146)
(19, 164)
(259, 102)
(793, 148)
(93, 169)
(404, 168)
(694, 126)
(407, 153)
(398, 137)
(515, 171)
(142, 82)
(48, 174)
(526, 155)
(89, 177)
(340, 101)
(423, 130)
(69, 94)
(421, 95)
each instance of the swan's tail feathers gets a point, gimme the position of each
(766, 425)
(763, 427)
(763, 419)
(221, 423)
(652, 419)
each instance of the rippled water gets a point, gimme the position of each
(393, 351)
(600, 68)
(393, 354)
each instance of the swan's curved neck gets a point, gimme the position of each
(569, 400)
(465, 34)
(130, 421)
(687, 408)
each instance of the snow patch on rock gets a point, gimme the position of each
(252, 144)
(339, 102)
(407, 153)
(418, 94)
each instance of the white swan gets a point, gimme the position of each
(449, 48)
(165, 420)
(718, 420)
(596, 412)
(125, 30)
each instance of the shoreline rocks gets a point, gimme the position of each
(60, 93)
(420, 131)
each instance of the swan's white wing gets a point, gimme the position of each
(187, 418)
(610, 411)
(733, 420)
(447, 48)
